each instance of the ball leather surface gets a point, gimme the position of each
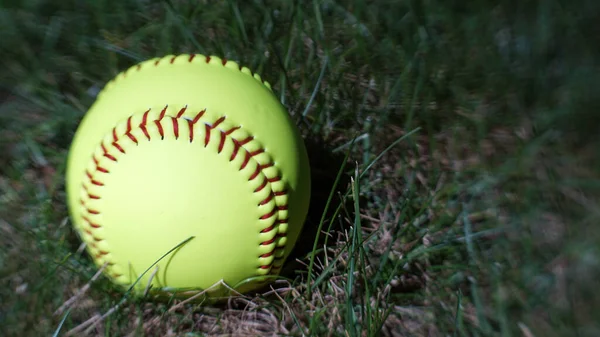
(188, 146)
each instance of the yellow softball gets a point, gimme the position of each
(181, 147)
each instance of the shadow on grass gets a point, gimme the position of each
(324, 166)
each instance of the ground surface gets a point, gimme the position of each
(467, 206)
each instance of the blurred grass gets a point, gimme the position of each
(483, 223)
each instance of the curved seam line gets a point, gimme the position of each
(170, 61)
(273, 265)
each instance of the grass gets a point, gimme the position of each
(465, 137)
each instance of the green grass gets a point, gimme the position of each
(467, 204)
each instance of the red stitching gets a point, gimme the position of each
(267, 254)
(236, 148)
(262, 167)
(101, 169)
(143, 124)
(230, 131)
(217, 122)
(268, 229)
(93, 196)
(270, 214)
(160, 129)
(246, 141)
(257, 152)
(173, 59)
(92, 224)
(280, 193)
(110, 156)
(181, 112)
(118, 147)
(88, 174)
(92, 211)
(162, 113)
(198, 116)
(255, 174)
(246, 160)
(132, 137)
(282, 208)
(224, 61)
(175, 127)
(266, 267)
(264, 243)
(128, 131)
(145, 131)
(145, 117)
(266, 200)
(207, 59)
(191, 57)
(262, 185)
(274, 179)
(191, 127)
(95, 160)
(114, 134)
(206, 135)
(157, 62)
(221, 142)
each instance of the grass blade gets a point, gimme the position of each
(396, 142)
(62, 322)
(353, 253)
(316, 89)
(322, 221)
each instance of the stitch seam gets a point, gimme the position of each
(171, 60)
(277, 250)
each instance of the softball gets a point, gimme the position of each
(188, 175)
